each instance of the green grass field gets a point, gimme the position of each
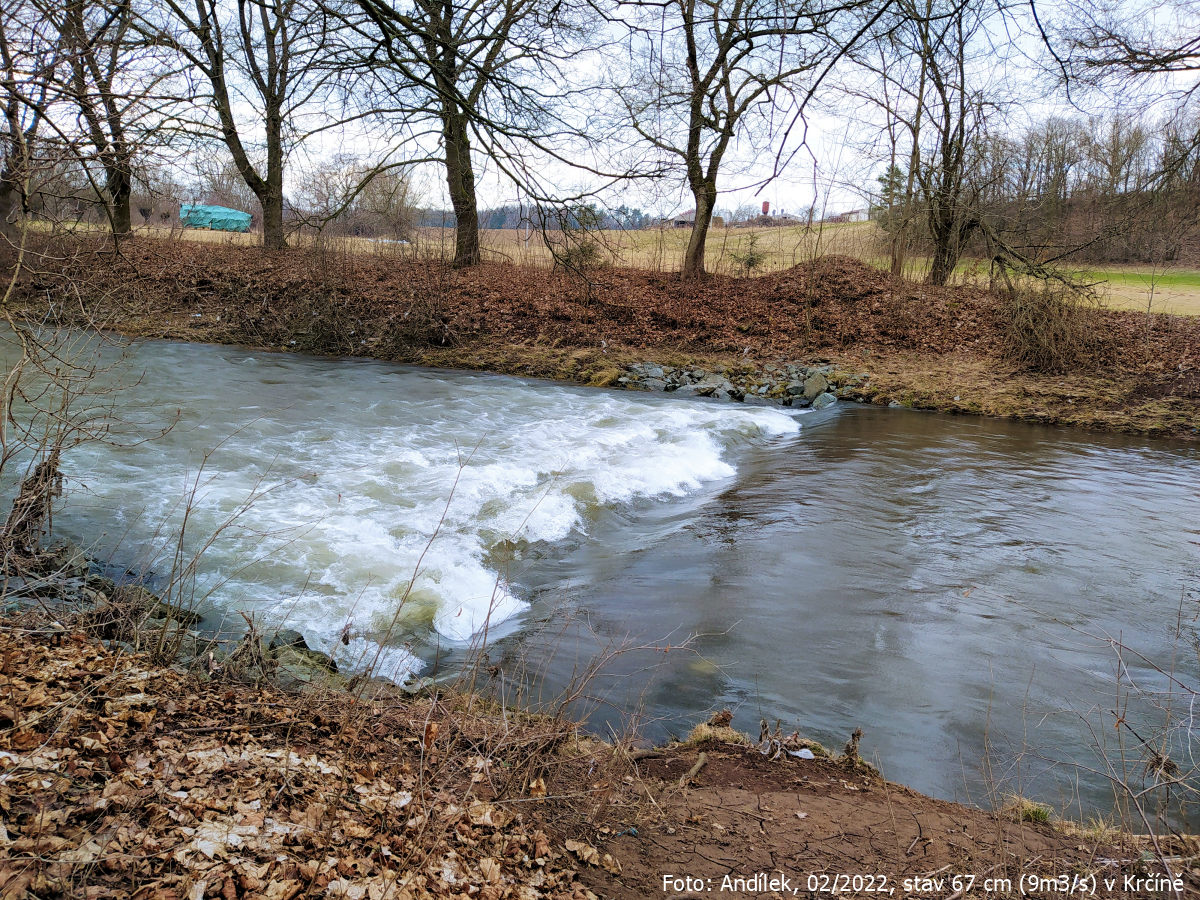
(1144, 287)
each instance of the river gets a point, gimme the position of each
(950, 585)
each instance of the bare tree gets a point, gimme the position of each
(706, 72)
(111, 84)
(356, 198)
(263, 64)
(486, 77)
(1131, 40)
(926, 77)
(890, 78)
(218, 181)
(27, 65)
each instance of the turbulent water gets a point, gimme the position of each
(375, 501)
(951, 585)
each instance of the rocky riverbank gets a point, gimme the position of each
(63, 584)
(785, 384)
(922, 347)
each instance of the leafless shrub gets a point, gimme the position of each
(1052, 328)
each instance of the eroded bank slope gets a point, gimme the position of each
(881, 340)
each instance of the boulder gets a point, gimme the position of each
(287, 637)
(65, 560)
(303, 669)
(175, 613)
(135, 595)
(823, 400)
(101, 584)
(815, 385)
(297, 656)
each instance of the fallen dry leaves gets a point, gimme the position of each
(120, 779)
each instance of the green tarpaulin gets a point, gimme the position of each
(218, 218)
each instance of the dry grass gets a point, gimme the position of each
(652, 249)
(1047, 328)
(1139, 288)
(1022, 809)
(705, 733)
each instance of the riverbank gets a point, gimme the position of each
(873, 338)
(124, 775)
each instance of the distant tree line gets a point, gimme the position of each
(935, 80)
(1112, 188)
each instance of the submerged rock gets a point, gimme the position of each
(824, 400)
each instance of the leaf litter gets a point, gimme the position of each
(119, 778)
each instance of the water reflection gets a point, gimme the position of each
(944, 583)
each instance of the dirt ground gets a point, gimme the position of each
(936, 348)
(820, 823)
(121, 778)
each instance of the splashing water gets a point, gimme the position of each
(381, 496)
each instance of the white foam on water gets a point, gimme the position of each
(383, 515)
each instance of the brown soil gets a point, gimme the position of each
(812, 820)
(123, 778)
(938, 348)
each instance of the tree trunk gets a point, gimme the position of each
(949, 232)
(120, 190)
(10, 209)
(271, 197)
(945, 258)
(460, 181)
(272, 213)
(899, 225)
(705, 194)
